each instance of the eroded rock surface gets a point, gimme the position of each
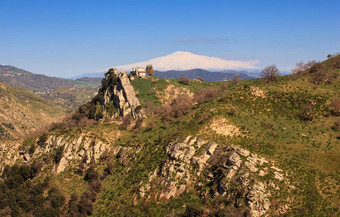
(226, 171)
(118, 89)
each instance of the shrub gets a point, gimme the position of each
(232, 110)
(307, 112)
(42, 140)
(184, 80)
(205, 94)
(335, 62)
(138, 124)
(58, 154)
(31, 150)
(56, 198)
(204, 117)
(181, 105)
(126, 122)
(318, 72)
(91, 174)
(335, 106)
(110, 109)
(149, 108)
(192, 210)
(85, 205)
(236, 79)
(177, 108)
(224, 86)
(199, 79)
(72, 205)
(336, 125)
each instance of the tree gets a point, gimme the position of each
(236, 79)
(270, 73)
(149, 70)
(299, 68)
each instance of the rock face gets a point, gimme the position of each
(116, 87)
(74, 150)
(215, 171)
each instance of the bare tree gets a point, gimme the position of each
(149, 70)
(236, 79)
(299, 68)
(270, 73)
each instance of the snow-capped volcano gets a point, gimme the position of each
(182, 60)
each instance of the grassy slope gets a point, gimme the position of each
(307, 150)
(22, 111)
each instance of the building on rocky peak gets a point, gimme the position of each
(138, 71)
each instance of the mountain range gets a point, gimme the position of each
(182, 62)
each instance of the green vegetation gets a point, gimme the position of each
(293, 121)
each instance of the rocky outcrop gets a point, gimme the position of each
(74, 149)
(216, 170)
(116, 88)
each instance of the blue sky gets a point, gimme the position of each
(65, 38)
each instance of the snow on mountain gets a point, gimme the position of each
(182, 60)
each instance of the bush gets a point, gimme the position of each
(224, 86)
(335, 106)
(91, 174)
(181, 105)
(126, 122)
(336, 125)
(205, 94)
(184, 80)
(56, 198)
(236, 79)
(31, 150)
(192, 210)
(138, 124)
(58, 154)
(177, 108)
(85, 205)
(232, 111)
(42, 140)
(307, 112)
(204, 117)
(335, 62)
(318, 72)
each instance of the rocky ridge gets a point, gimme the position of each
(116, 88)
(227, 171)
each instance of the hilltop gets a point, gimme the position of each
(172, 147)
(22, 112)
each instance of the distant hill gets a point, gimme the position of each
(88, 79)
(29, 81)
(67, 93)
(193, 73)
(22, 111)
(206, 75)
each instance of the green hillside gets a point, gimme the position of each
(22, 112)
(99, 164)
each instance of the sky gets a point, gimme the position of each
(65, 38)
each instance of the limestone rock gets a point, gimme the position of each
(118, 89)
